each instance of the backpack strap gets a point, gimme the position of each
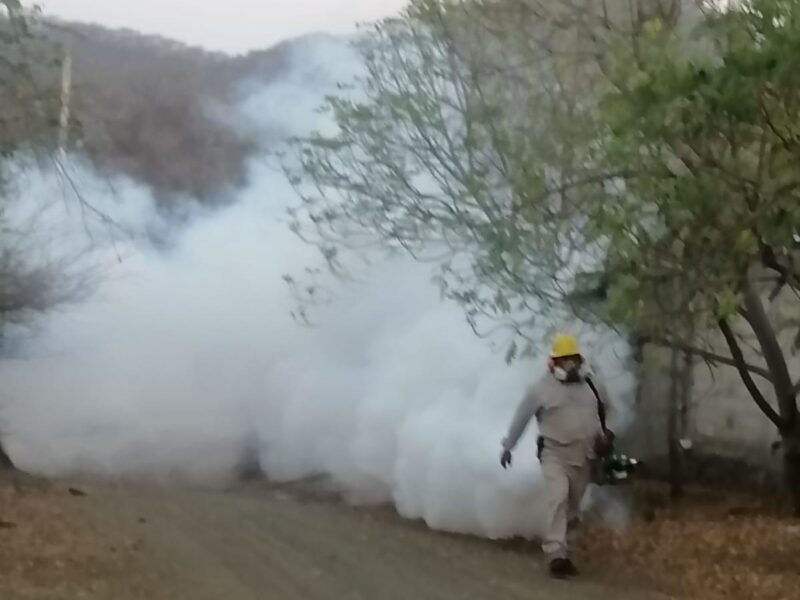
(601, 408)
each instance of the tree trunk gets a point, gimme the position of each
(785, 394)
(791, 466)
(673, 429)
(687, 383)
(773, 353)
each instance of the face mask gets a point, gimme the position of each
(571, 375)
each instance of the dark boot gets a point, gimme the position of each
(570, 568)
(559, 568)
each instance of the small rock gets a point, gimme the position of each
(134, 545)
(7, 524)
(77, 492)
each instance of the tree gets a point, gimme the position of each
(33, 278)
(713, 201)
(470, 141)
(29, 67)
(629, 163)
(431, 156)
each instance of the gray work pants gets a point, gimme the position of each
(565, 484)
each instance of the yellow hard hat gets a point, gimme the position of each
(564, 345)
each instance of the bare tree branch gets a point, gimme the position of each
(711, 357)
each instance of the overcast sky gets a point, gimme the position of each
(230, 25)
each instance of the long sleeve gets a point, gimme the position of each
(525, 411)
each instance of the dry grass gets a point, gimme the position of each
(711, 545)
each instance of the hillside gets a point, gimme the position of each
(149, 108)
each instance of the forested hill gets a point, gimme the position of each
(155, 109)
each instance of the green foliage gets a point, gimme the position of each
(29, 68)
(628, 167)
(441, 156)
(710, 139)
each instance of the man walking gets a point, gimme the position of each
(570, 409)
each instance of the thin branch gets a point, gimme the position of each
(712, 357)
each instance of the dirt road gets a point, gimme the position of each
(258, 542)
(261, 542)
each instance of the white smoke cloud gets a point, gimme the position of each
(183, 359)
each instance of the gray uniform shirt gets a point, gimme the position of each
(567, 416)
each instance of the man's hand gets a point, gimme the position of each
(604, 443)
(610, 436)
(505, 459)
